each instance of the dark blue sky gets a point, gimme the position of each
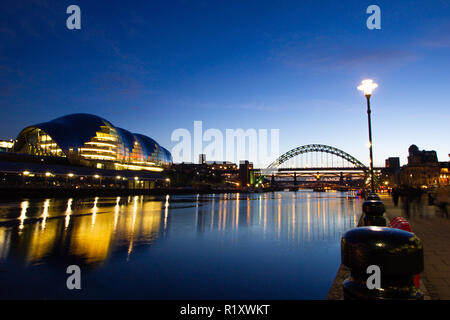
(154, 66)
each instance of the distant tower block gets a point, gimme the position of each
(392, 163)
(202, 158)
(246, 176)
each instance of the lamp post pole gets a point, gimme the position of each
(372, 187)
(367, 86)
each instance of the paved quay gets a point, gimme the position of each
(434, 231)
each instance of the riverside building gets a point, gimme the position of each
(83, 150)
(91, 141)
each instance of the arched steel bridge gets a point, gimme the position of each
(275, 166)
(317, 148)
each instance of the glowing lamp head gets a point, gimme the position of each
(367, 86)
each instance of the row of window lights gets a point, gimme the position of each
(71, 175)
(225, 167)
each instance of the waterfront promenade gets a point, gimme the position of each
(434, 230)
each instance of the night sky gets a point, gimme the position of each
(155, 66)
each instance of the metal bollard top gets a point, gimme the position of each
(396, 252)
(373, 196)
(373, 207)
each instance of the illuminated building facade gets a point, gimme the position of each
(6, 145)
(444, 176)
(221, 165)
(422, 169)
(85, 139)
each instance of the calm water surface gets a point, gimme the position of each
(282, 245)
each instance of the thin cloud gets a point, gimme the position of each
(321, 53)
(437, 43)
(315, 104)
(35, 18)
(438, 37)
(118, 83)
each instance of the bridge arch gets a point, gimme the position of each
(311, 148)
(317, 148)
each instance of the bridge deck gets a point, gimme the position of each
(315, 169)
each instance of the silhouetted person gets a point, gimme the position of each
(442, 200)
(395, 196)
(418, 201)
(430, 199)
(443, 207)
(405, 195)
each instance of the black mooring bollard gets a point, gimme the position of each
(397, 253)
(374, 213)
(373, 196)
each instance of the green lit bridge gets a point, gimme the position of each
(315, 163)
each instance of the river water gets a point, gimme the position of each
(281, 245)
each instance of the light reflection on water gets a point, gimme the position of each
(267, 245)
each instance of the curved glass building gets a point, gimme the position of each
(93, 141)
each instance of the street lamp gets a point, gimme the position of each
(367, 86)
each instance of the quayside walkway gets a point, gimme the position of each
(434, 231)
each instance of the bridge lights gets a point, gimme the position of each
(367, 86)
